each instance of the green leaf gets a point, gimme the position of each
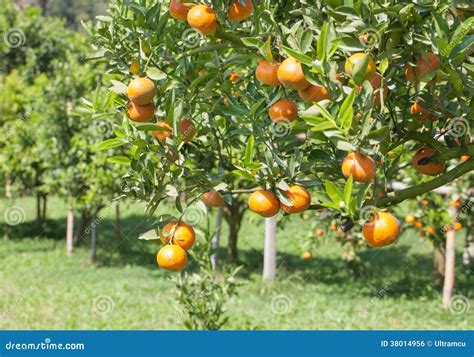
(322, 43)
(333, 192)
(306, 41)
(110, 144)
(268, 50)
(118, 87)
(155, 74)
(298, 56)
(253, 42)
(379, 134)
(243, 174)
(322, 126)
(283, 198)
(150, 127)
(359, 70)
(348, 190)
(249, 150)
(346, 112)
(325, 113)
(465, 45)
(461, 32)
(455, 79)
(122, 160)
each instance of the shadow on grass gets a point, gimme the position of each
(401, 273)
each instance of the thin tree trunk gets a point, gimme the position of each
(81, 232)
(233, 215)
(38, 210)
(117, 221)
(450, 261)
(94, 239)
(70, 230)
(8, 196)
(439, 263)
(43, 213)
(216, 239)
(269, 251)
(232, 252)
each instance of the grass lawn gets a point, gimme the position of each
(42, 288)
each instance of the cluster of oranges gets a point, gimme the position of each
(203, 19)
(266, 203)
(177, 237)
(429, 230)
(141, 92)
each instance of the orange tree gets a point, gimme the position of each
(47, 148)
(311, 104)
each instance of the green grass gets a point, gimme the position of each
(42, 288)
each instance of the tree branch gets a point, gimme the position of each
(412, 192)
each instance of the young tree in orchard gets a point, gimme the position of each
(311, 104)
(58, 156)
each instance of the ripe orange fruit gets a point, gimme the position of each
(172, 156)
(455, 204)
(240, 10)
(314, 94)
(418, 224)
(410, 73)
(307, 255)
(363, 38)
(425, 203)
(300, 198)
(266, 73)
(420, 113)
(430, 230)
(234, 77)
(178, 10)
(410, 219)
(213, 199)
(284, 110)
(430, 168)
(162, 135)
(264, 202)
(135, 67)
(428, 64)
(319, 232)
(457, 226)
(362, 168)
(376, 82)
(465, 157)
(172, 257)
(203, 19)
(357, 57)
(290, 74)
(182, 234)
(141, 91)
(141, 113)
(187, 130)
(381, 230)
